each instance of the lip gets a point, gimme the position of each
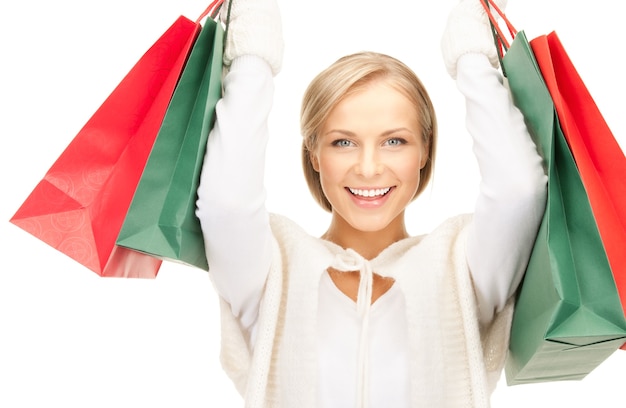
(370, 202)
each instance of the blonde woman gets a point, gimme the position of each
(366, 315)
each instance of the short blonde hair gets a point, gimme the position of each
(348, 75)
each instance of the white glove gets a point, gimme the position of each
(254, 28)
(468, 31)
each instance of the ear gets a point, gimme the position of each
(314, 161)
(425, 155)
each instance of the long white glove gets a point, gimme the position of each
(254, 28)
(468, 31)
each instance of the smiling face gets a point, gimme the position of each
(368, 155)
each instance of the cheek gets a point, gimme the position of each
(332, 167)
(408, 167)
(331, 171)
(409, 173)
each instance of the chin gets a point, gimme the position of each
(374, 224)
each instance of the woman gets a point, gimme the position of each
(366, 315)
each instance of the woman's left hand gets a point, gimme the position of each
(468, 31)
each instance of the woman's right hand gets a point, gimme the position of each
(253, 28)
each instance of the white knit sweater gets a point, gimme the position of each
(267, 270)
(453, 363)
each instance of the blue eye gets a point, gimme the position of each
(342, 143)
(396, 141)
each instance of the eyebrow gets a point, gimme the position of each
(385, 133)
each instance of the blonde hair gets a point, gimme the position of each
(348, 75)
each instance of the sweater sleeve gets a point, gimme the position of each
(231, 194)
(512, 192)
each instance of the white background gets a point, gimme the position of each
(72, 339)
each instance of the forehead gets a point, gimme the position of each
(374, 100)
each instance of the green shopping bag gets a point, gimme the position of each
(568, 317)
(161, 219)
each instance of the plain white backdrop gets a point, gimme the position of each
(70, 338)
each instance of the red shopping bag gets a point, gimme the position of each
(600, 161)
(79, 205)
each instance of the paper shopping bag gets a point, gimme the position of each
(161, 220)
(80, 204)
(599, 159)
(568, 317)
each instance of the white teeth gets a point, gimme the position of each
(370, 193)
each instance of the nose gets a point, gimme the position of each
(369, 163)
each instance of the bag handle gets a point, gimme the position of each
(501, 43)
(488, 5)
(212, 10)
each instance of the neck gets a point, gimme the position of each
(367, 243)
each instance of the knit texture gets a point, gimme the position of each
(454, 362)
(254, 28)
(468, 31)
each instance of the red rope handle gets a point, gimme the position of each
(501, 38)
(210, 10)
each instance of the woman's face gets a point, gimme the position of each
(369, 155)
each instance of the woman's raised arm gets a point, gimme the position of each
(512, 195)
(231, 195)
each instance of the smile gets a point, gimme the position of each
(369, 193)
